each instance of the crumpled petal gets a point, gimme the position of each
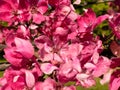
(48, 68)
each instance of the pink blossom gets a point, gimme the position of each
(114, 24)
(85, 80)
(48, 50)
(60, 31)
(75, 48)
(14, 80)
(90, 51)
(22, 10)
(41, 40)
(22, 51)
(60, 21)
(17, 79)
(8, 9)
(101, 67)
(24, 47)
(29, 78)
(115, 81)
(48, 68)
(23, 32)
(35, 10)
(106, 77)
(36, 70)
(89, 21)
(48, 45)
(11, 11)
(48, 84)
(9, 39)
(3, 82)
(66, 72)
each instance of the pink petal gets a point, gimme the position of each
(12, 57)
(76, 65)
(82, 76)
(37, 86)
(102, 66)
(29, 78)
(24, 47)
(77, 2)
(38, 18)
(89, 65)
(48, 84)
(57, 58)
(22, 30)
(85, 80)
(3, 81)
(101, 18)
(13, 3)
(5, 16)
(39, 42)
(115, 84)
(61, 31)
(72, 35)
(95, 57)
(106, 77)
(48, 68)
(42, 7)
(10, 38)
(5, 6)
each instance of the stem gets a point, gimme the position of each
(4, 66)
(102, 1)
(85, 3)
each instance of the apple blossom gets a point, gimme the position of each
(48, 45)
(22, 52)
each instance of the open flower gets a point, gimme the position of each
(17, 79)
(22, 10)
(34, 9)
(20, 53)
(8, 10)
(68, 71)
(48, 84)
(85, 80)
(89, 21)
(115, 81)
(115, 25)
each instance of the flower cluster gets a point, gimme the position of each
(48, 45)
(114, 22)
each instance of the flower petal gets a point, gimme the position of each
(29, 78)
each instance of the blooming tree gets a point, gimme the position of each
(48, 45)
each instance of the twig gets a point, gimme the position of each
(102, 1)
(85, 3)
(3, 66)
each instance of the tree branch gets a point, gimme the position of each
(3, 66)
